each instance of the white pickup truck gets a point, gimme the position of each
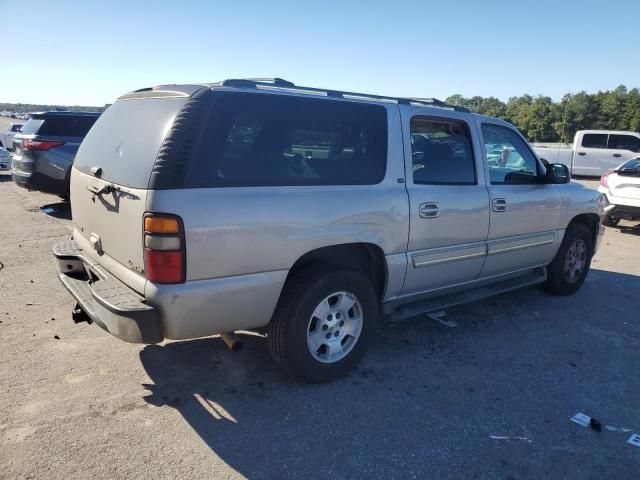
(6, 137)
(593, 151)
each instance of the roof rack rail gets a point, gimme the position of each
(241, 82)
(281, 83)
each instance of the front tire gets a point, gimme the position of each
(322, 323)
(570, 266)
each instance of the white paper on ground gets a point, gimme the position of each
(581, 419)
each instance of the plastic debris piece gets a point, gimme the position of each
(509, 438)
(634, 440)
(595, 425)
(440, 318)
(617, 429)
(581, 419)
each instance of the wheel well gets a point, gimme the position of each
(589, 220)
(362, 257)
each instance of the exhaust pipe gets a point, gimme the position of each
(233, 341)
(609, 208)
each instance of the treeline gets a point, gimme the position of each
(34, 107)
(541, 119)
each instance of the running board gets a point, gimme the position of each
(408, 310)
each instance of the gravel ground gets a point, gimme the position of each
(77, 403)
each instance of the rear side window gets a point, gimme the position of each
(441, 152)
(271, 140)
(624, 142)
(594, 140)
(66, 126)
(59, 125)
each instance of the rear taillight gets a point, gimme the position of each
(164, 248)
(604, 179)
(29, 144)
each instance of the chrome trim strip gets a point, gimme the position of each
(440, 255)
(517, 243)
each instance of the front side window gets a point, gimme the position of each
(624, 142)
(271, 140)
(594, 140)
(441, 152)
(510, 160)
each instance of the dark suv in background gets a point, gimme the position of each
(45, 149)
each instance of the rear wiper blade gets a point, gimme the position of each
(107, 189)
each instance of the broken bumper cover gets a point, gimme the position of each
(108, 302)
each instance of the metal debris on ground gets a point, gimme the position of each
(510, 439)
(440, 318)
(634, 440)
(585, 420)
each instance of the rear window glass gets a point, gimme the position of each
(630, 168)
(59, 126)
(594, 140)
(126, 139)
(269, 140)
(31, 126)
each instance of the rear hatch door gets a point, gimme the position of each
(110, 181)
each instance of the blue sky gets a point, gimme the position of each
(88, 53)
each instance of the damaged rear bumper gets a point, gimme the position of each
(104, 299)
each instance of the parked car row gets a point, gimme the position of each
(5, 159)
(305, 213)
(45, 147)
(6, 137)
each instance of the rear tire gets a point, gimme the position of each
(570, 266)
(611, 221)
(322, 323)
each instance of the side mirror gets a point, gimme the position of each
(558, 173)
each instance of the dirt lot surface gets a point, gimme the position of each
(76, 403)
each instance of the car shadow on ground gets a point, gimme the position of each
(58, 210)
(5, 178)
(630, 229)
(428, 395)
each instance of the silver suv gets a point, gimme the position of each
(308, 215)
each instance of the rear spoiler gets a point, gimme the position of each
(160, 91)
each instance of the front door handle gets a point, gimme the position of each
(499, 205)
(582, 154)
(617, 155)
(429, 210)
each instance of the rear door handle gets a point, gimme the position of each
(617, 155)
(582, 154)
(499, 205)
(429, 210)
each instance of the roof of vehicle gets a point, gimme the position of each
(284, 86)
(63, 113)
(486, 118)
(608, 132)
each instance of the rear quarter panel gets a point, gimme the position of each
(244, 230)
